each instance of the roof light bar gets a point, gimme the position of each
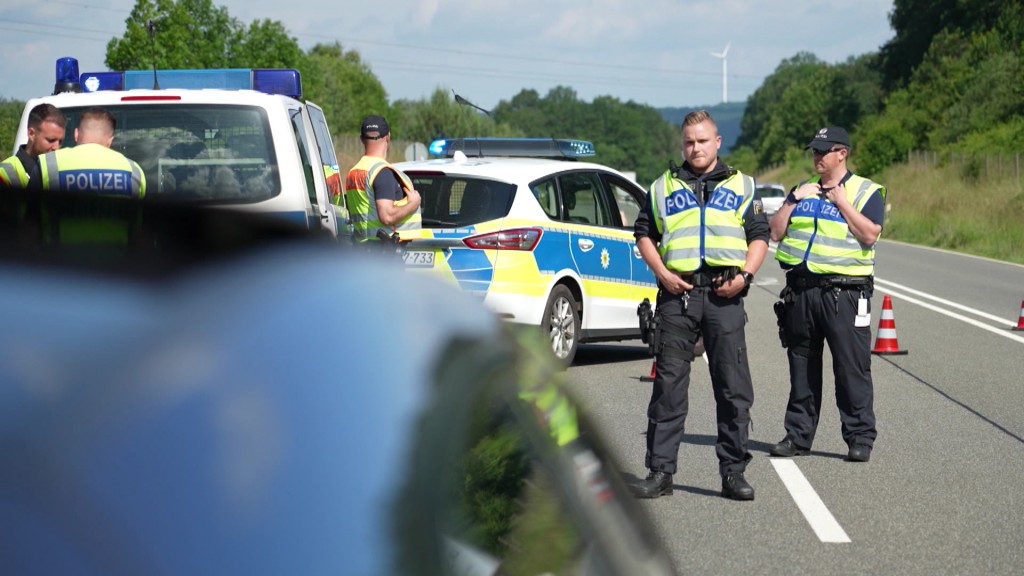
(530, 147)
(283, 81)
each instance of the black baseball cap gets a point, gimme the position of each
(827, 137)
(374, 128)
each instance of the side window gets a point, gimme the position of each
(544, 192)
(304, 154)
(327, 156)
(628, 199)
(583, 199)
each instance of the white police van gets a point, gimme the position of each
(238, 138)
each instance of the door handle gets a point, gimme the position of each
(585, 244)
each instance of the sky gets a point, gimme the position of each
(655, 52)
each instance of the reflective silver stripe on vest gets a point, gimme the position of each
(681, 254)
(136, 179)
(726, 231)
(51, 172)
(865, 186)
(682, 231)
(12, 174)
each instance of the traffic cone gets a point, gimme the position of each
(886, 343)
(653, 371)
(1020, 319)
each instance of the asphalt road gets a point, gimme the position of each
(944, 490)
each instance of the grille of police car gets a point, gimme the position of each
(540, 236)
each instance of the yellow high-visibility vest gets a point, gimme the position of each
(91, 168)
(362, 205)
(13, 173)
(692, 232)
(819, 235)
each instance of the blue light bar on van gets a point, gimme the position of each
(283, 81)
(527, 147)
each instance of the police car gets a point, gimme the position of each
(240, 138)
(540, 236)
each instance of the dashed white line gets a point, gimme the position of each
(809, 503)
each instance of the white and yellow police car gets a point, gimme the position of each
(238, 138)
(540, 236)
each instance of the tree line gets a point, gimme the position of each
(949, 80)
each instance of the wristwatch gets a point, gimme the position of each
(791, 199)
(747, 277)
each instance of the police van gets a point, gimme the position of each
(238, 138)
(540, 235)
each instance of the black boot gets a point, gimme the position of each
(735, 486)
(657, 484)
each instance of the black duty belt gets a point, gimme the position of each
(709, 277)
(829, 281)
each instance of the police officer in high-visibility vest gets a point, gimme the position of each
(46, 126)
(381, 199)
(826, 230)
(704, 235)
(91, 165)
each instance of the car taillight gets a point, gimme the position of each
(514, 239)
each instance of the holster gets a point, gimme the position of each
(780, 314)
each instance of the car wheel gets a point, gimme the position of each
(562, 323)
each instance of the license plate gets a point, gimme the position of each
(418, 258)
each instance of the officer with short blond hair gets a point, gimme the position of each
(91, 165)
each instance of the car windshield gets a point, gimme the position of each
(771, 191)
(452, 201)
(220, 153)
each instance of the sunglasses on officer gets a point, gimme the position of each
(827, 152)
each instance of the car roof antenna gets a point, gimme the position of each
(465, 102)
(151, 28)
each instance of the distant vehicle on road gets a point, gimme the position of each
(772, 196)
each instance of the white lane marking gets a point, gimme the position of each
(997, 331)
(807, 500)
(945, 302)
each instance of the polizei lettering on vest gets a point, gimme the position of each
(725, 199)
(679, 201)
(106, 181)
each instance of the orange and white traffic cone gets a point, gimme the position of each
(885, 342)
(653, 371)
(1020, 318)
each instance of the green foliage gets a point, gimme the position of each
(344, 86)
(442, 117)
(882, 141)
(188, 34)
(10, 117)
(743, 159)
(494, 473)
(917, 23)
(628, 136)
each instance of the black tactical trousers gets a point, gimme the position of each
(721, 322)
(814, 316)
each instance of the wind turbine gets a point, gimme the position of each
(725, 70)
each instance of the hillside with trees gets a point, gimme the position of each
(948, 83)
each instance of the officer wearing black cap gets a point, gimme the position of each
(826, 230)
(381, 199)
